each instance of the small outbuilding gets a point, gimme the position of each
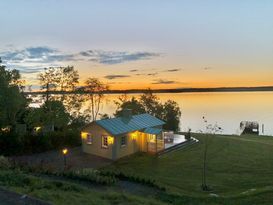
(122, 136)
(249, 127)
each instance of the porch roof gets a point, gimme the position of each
(154, 131)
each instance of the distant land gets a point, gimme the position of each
(177, 90)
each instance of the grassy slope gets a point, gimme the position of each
(236, 165)
(69, 193)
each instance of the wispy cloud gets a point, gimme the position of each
(30, 70)
(161, 81)
(172, 70)
(36, 55)
(133, 70)
(207, 68)
(116, 57)
(111, 77)
(43, 56)
(152, 74)
(147, 74)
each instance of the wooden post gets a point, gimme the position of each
(155, 143)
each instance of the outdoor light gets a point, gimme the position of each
(65, 151)
(134, 136)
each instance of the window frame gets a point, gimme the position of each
(89, 139)
(125, 141)
(103, 137)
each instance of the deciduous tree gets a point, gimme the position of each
(94, 90)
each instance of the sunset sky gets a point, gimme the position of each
(141, 44)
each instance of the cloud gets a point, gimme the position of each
(133, 70)
(116, 57)
(114, 83)
(207, 68)
(111, 77)
(161, 81)
(43, 56)
(29, 70)
(172, 70)
(152, 74)
(147, 74)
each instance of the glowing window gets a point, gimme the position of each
(104, 141)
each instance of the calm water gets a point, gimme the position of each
(225, 109)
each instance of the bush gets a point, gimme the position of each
(86, 175)
(13, 144)
(90, 175)
(4, 163)
(133, 178)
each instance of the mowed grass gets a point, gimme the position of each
(65, 192)
(240, 171)
(237, 166)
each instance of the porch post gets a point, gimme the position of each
(155, 143)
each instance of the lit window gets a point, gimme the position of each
(123, 141)
(104, 140)
(89, 139)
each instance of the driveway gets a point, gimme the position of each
(75, 159)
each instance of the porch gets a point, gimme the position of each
(157, 141)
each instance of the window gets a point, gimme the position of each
(123, 141)
(89, 139)
(104, 140)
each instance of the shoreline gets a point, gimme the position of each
(180, 90)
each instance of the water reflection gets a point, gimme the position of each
(227, 109)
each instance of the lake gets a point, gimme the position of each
(227, 109)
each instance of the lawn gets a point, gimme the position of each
(237, 166)
(240, 171)
(61, 192)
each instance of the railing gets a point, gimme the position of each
(155, 147)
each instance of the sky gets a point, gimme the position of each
(142, 44)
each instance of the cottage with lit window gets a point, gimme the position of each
(118, 137)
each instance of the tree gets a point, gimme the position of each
(132, 104)
(209, 131)
(63, 80)
(50, 113)
(48, 81)
(171, 115)
(12, 101)
(150, 103)
(95, 90)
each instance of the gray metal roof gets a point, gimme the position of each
(121, 125)
(154, 131)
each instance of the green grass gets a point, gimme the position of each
(237, 166)
(61, 192)
(240, 171)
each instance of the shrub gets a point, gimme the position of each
(90, 175)
(11, 143)
(4, 163)
(86, 175)
(133, 178)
